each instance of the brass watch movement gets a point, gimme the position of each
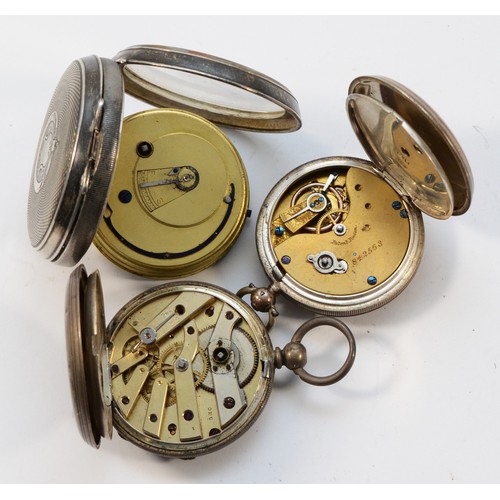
(182, 370)
(179, 196)
(343, 235)
(163, 193)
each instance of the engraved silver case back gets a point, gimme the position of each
(78, 147)
(75, 159)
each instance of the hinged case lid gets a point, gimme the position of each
(78, 147)
(221, 91)
(75, 160)
(88, 363)
(408, 141)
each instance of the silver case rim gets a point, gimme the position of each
(462, 180)
(235, 430)
(216, 68)
(345, 305)
(88, 180)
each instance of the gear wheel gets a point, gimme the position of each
(169, 355)
(161, 364)
(248, 355)
(336, 193)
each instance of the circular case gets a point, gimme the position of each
(87, 353)
(183, 369)
(78, 154)
(75, 159)
(343, 236)
(201, 383)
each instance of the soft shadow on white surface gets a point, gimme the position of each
(421, 403)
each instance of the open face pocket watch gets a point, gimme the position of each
(342, 235)
(163, 193)
(182, 370)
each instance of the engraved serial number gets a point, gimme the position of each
(366, 253)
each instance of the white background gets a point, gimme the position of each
(422, 402)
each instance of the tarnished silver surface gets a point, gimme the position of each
(75, 159)
(74, 346)
(204, 371)
(405, 136)
(217, 89)
(415, 153)
(87, 356)
(294, 355)
(97, 371)
(75, 297)
(335, 305)
(191, 449)
(56, 147)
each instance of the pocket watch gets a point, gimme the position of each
(182, 369)
(163, 193)
(344, 236)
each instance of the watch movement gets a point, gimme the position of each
(181, 370)
(162, 193)
(342, 235)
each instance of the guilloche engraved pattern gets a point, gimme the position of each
(54, 154)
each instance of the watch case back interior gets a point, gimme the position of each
(344, 236)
